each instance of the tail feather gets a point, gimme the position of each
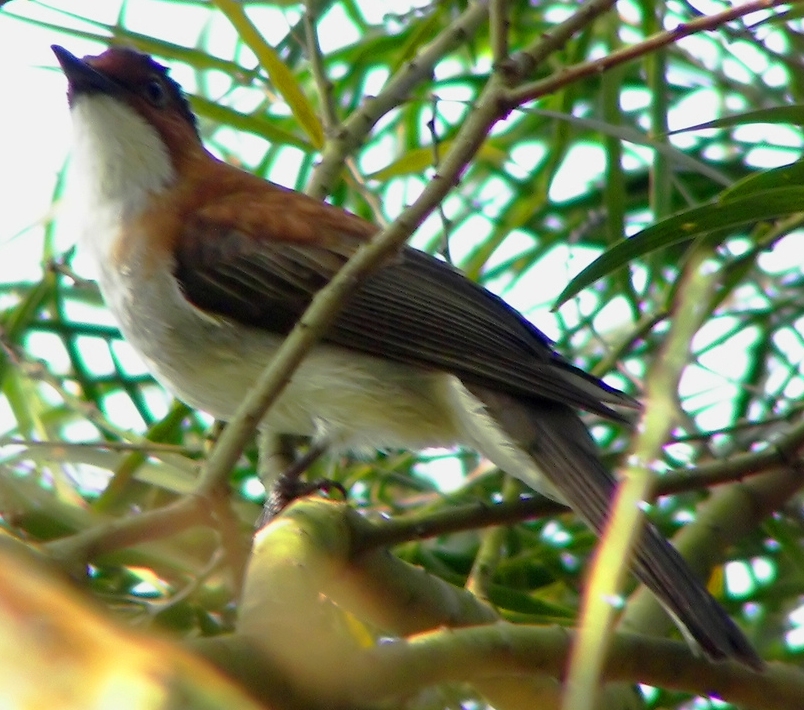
(564, 451)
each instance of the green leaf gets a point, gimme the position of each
(418, 160)
(145, 43)
(785, 176)
(778, 114)
(281, 77)
(252, 124)
(687, 225)
(632, 135)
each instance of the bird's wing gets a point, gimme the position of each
(414, 309)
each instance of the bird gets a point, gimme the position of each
(207, 267)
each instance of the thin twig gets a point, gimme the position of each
(481, 514)
(534, 90)
(489, 553)
(522, 64)
(145, 447)
(432, 126)
(316, 58)
(396, 91)
(498, 31)
(116, 534)
(357, 180)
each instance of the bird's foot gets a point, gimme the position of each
(289, 486)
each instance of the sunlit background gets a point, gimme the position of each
(529, 217)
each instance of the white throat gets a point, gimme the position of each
(118, 161)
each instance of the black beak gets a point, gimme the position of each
(82, 78)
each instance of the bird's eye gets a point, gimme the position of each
(155, 93)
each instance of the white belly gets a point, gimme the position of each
(211, 363)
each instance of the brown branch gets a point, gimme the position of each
(504, 654)
(323, 83)
(478, 515)
(498, 31)
(355, 129)
(522, 94)
(146, 446)
(305, 578)
(523, 63)
(116, 534)
(153, 525)
(476, 653)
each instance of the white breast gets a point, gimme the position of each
(118, 160)
(212, 363)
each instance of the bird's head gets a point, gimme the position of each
(133, 126)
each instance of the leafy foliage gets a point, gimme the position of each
(598, 195)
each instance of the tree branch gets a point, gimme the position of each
(477, 515)
(355, 129)
(522, 94)
(304, 578)
(322, 81)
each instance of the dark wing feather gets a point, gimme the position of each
(415, 309)
(419, 310)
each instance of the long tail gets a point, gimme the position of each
(565, 453)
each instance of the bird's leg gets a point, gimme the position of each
(287, 486)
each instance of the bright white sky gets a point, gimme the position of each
(33, 142)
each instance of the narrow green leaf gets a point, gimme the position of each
(785, 176)
(281, 77)
(16, 320)
(778, 114)
(22, 401)
(145, 43)
(417, 160)
(413, 162)
(631, 135)
(244, 122)
(687, 225)
(163, 430)
(423, 32)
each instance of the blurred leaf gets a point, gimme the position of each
(777, 114)
(715, 217)
(242, 122)
(280, 75)
(788, 175)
